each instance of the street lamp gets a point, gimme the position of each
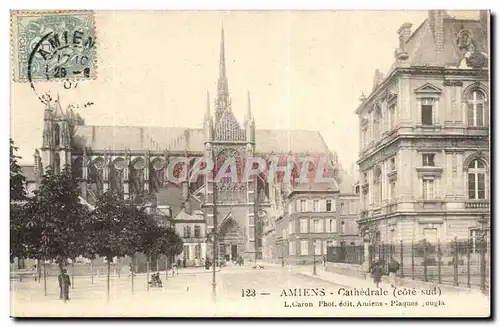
(314, 257)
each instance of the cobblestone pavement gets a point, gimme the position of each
(241, 291)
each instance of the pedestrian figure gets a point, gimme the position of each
(184, 262)
(377, 272)
(64, 284)
(393, 269)
(33, 270)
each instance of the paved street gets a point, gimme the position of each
(189, 294)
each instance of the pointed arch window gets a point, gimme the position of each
(477, 111)
(57, 135)
(477, 180)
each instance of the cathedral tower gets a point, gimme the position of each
(56, 147)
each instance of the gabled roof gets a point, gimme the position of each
(183, 215)
(171, 195)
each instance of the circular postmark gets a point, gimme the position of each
(56, 47)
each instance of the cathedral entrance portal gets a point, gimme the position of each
(230, 240)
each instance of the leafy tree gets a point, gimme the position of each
(18, 248)
(114, 230)
(17, 179)
(158, 240)
(53, 221)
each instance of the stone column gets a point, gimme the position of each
(105, 173)
(126, 190)
(146, 173)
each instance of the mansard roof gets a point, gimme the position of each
(421, 45)
(136, 138)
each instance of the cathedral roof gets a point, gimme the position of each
(135, 138)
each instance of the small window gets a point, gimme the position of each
(187, 231)
(428, 160)
(315, 205)
(317, 247)
(303, 226)
(428, 188)
(304, 247)
(328, 205)
(427, 109)
(342, 209)
(303, 205)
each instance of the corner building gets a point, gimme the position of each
(424, 157)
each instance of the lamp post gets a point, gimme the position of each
(314, 257)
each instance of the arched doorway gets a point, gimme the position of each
(230, 240)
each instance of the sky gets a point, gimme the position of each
(303, 69)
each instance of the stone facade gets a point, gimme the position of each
(424, 135)
(309, 224)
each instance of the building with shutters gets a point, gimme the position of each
(310, 223)
(424, 158)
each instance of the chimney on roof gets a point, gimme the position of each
(404, 33)
(436, 22)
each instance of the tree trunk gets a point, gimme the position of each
(166, 267)
(118, 267)
(92, 272)
(38, 270)
(157, 269)
(44, 278)
(132, 272)
(73, 273)
(147, 273)
(107, 278)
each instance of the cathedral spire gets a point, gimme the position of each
(248, 117)
(207, 112)
(222, 60)
(222, 102)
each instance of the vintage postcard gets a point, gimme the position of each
(250, 163)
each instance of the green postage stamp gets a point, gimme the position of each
(53, 45)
